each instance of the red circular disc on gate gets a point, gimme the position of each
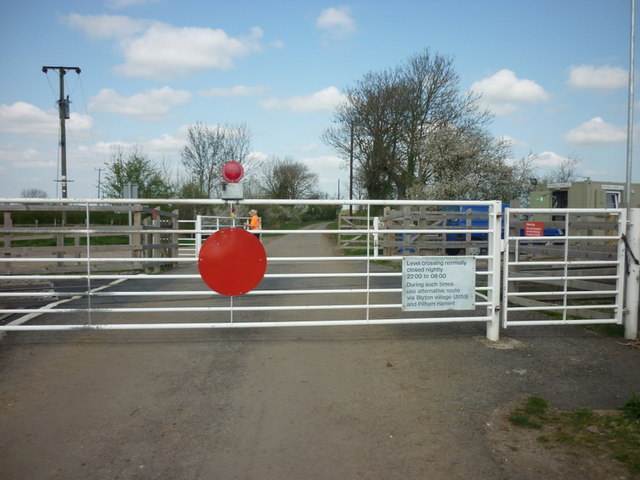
(232, 261)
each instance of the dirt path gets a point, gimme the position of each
(413, 402)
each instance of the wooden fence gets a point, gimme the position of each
(64, 239)
(414, 218)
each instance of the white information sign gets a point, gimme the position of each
(438, 283)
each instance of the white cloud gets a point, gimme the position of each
(336, 22)
(311, 147)
(106, 26)
(115, 4)
(257, 156)
(504, 93)
(513, 142)
(588, 76)
(321, 101)
(157, 50)
(164, 51)
(25, 119)
(162, 146)
(152, 105)
(548, 160)
(16, 157)
(166, 144)
(323, 163)
(596, 132)
(237, 91)
(279, 44)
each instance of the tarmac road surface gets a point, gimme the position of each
(378, 402)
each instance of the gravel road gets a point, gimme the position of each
(379, 402)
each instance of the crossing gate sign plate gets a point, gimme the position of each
(438, 283)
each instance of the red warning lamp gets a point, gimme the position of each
(233, 172)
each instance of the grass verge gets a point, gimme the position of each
(613, 433)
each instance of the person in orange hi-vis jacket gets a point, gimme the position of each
(255, 222)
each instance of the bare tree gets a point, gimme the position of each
(33, 193)
(208, 149)
(287, 178)
(567, 171)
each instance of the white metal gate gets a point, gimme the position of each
(301, 287)
(564, 266)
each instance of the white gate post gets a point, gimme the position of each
(198, 235)
(494, 251)
(632, 289)
(376, 240)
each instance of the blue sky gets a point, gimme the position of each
(554, 73)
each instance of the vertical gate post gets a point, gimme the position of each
(494, 251)
(198, 234)
(632, 288)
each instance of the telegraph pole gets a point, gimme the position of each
(63, 107)
(99, 183)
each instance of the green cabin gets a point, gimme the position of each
(583, 194)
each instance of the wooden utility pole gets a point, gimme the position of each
(63, 107)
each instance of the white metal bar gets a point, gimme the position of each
(189, 260)
(569, 262)
(564, 237)
(622, 254)
(246, 201)
(535, 278)
(88, 237)
(545, 322)
(562, 307)
(493, 264)
(204, 325)
(632, 287)
(206, 293)
(304, 231)
(563, 211)
(368, 317)
(203, 293)
(559, 293)
(505, 267)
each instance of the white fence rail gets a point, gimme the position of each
(309, 288)
(577, 275)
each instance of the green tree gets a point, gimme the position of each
(412, 133)
(136, 167)
(192, 189)
(287, 178)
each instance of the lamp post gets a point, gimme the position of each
(351, 172)
(627, 192)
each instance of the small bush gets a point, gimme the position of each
(521, 420)
(531, 414)
(536, 406)
(631, 409)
